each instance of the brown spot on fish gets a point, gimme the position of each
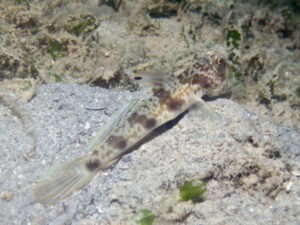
(118, 142)
(147, 123)
(162, 94)
(93, 164)
(203, 81)
(136, 118)
(165, 98)
(183, 78)
(174, 104)
(150, 123)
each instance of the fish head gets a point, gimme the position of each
(206, 73)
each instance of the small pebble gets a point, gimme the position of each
(7, 196)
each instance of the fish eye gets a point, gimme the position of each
(219, 61)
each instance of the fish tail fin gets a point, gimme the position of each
(63, 180)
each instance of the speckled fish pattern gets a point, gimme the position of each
(132, 123)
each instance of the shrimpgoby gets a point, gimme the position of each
(168, 98)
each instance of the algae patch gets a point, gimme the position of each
(192, 190)
(147, 217)
(83, 25)
(55, 50)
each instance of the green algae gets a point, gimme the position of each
(192, 190)
(55, 50)
(233, 38)
(82, 25)
(147, 217)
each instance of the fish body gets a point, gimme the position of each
(132, 123)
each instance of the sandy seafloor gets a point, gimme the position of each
(252, 165)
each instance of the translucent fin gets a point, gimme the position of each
(151, 78)
(206, 109)
(115, 122)
(62, 180)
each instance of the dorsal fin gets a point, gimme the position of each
(152, 78)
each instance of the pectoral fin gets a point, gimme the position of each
(205, 108)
